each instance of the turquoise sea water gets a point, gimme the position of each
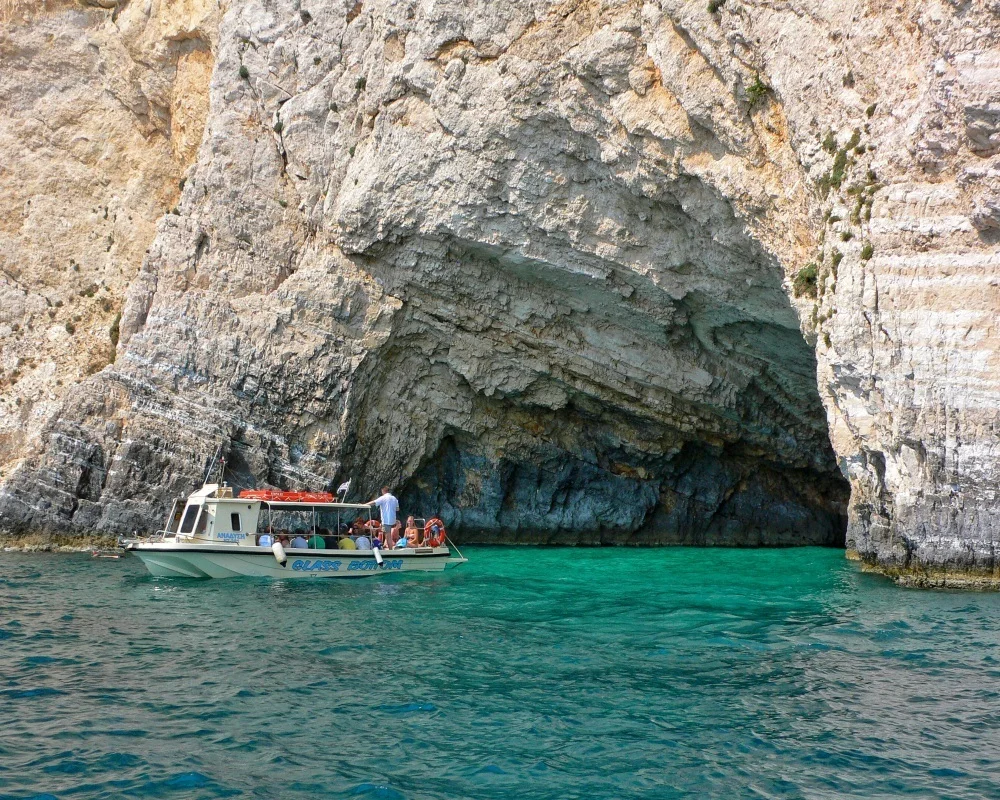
(528, 673)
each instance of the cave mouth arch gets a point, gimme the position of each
(589, 405)
(595, 343)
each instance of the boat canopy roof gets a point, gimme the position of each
(205, 495)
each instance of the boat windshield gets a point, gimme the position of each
(190, 515)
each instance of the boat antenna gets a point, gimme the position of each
(211, 466)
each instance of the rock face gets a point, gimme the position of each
(101, 114)
(572, 272)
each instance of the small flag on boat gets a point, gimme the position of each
(344, 487)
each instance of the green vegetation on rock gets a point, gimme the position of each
(805, 282)
(757, 90)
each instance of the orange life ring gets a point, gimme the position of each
(429, 538)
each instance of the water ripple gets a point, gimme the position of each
(528, 673)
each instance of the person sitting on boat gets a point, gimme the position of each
(377, 541)
(363, 543)
(265, 540)
(412, 530)
(396, 533)
(329, 537)
(300, 542)
(400, 543)
(388, 507)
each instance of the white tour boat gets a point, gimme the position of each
(215, 534)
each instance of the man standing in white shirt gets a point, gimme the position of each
(388, 507)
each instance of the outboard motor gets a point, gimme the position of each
(279, 553)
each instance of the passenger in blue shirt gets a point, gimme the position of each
(266, 540)
(300, 541)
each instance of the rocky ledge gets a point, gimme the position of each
(572, 272)
(49, 543)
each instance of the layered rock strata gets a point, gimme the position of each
(547, 268)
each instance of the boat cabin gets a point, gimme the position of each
(213, 514)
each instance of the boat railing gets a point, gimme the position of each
(155, 536)
(326, 546)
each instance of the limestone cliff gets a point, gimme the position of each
(571, 271)
(101, 114)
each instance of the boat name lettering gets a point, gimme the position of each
(232, 537)
(371, 565)
(319, 564)
(323, 565)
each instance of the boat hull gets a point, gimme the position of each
(169, 560)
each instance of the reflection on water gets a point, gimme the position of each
(525, 673)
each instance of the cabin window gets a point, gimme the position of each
(235, 521)
(190, 515)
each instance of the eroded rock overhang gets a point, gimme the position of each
(571, 398)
